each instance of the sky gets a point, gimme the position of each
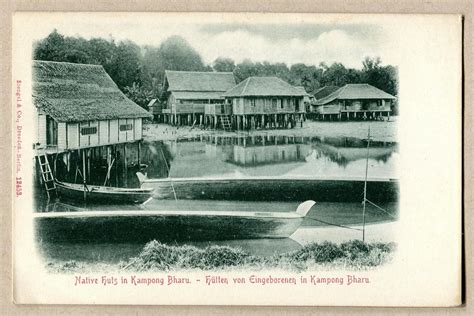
(290, 40)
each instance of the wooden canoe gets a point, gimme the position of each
(146, 225)
(102, 194)
(272, 188)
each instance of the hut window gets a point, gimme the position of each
(125, 127)
(274, 103)
(252, 102)
(88, 130)
(281, 103)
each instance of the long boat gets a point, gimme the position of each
(167, 225)
(272, 188)
(103, 194)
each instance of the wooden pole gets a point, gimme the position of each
(84, 172)
(108, 164)
(138, 155)
(365, 186)
(88, 157)
(125, 165)
(116, 166)
(54, 165)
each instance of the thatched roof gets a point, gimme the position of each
(302, 90)
(324, 91)
(356, 92)
(264, 86)
(199, 81)
(197, 95)
(77, 92)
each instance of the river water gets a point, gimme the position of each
(243, 155)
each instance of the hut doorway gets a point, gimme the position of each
(51, 131)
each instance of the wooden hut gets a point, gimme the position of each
(187, 94)
(79, 106)
(321, 93)
(261, 102)
(324, 91)
(308, 99)
(355, 101)
(155, 108)
(81, 111)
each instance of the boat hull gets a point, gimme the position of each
(142, 227)
(103, 194)
(274, 189)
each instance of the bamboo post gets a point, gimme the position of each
(365, 186)
(116, 166)
(108, 164)
(138, 154)
(54, 165)
(88, 158)
(84, 172)
(125, 164)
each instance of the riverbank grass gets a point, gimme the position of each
(156, 256)
(353, 255)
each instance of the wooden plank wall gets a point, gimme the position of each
(108, 132)
(138, 129)
(241, 106)
(42, 129)
(62, 136)
(113, 129)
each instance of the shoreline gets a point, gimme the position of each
(379, 130)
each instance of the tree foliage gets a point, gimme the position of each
(139, 71)
(222, 64)
(139, 95)
(173, 54)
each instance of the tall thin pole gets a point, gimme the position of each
(84, 172)
(365, 186)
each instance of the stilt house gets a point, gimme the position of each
(188, 94)
(155, 108)
(83, 122)
(322, 93)
(355, 101)
(308, 99)
(260, 102)
(79, 106)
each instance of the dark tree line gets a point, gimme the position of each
(139, 71)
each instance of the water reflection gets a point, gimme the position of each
(237, 156)
(288, 156)
(315, 228)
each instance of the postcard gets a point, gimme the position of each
(237, 159)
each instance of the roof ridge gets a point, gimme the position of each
(339, 91)
(67, 62)
(246, 84)
(200, 72)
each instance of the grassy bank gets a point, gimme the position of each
(380, 131)
(155, 256)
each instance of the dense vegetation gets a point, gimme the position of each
(155, 256)
(139, 71)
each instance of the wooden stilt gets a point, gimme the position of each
(138, 153)
(54, 165)
(88, 158)
(125, 178)
(84, 173)
(116, 166)
(68, 162)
